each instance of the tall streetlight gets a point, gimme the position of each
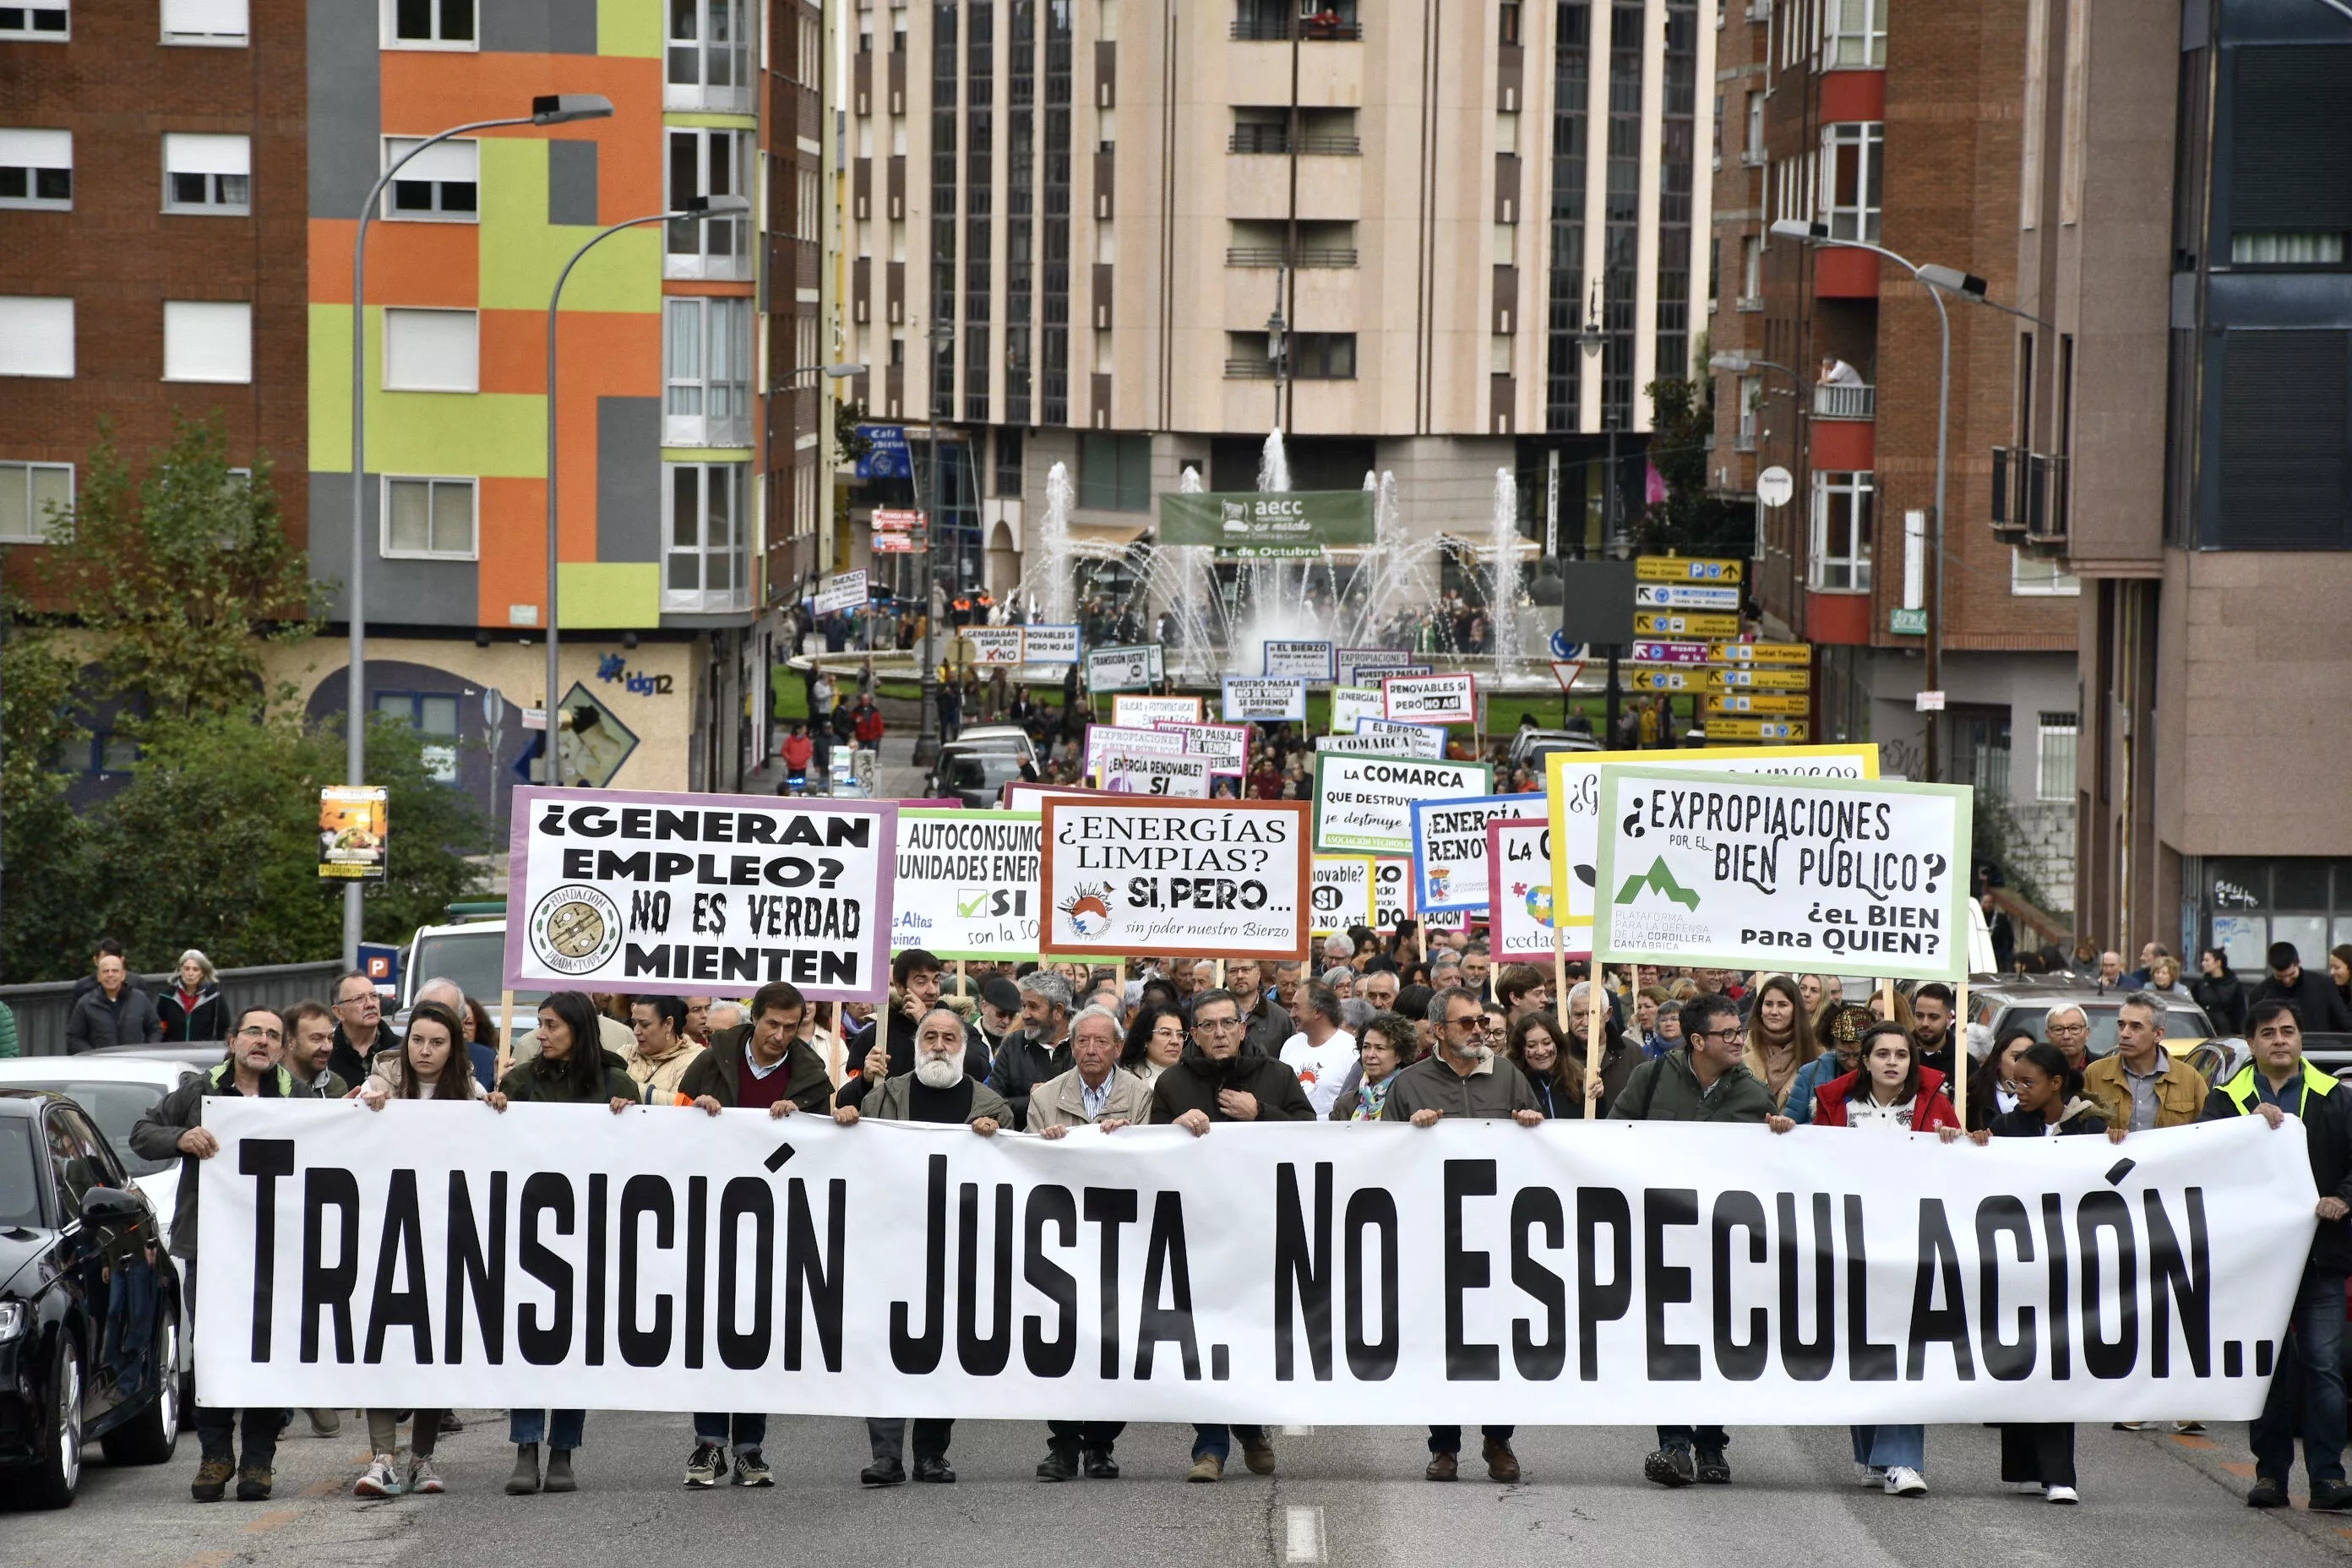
(1593, 339)
(1742, 364)
(926, 733)
(697, 209)
(1939, 281)
(548, 109)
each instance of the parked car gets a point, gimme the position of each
(1532, 746)
(997, 738)
(116, 1087)
(472, 951)
(2025, 1000)
(977, 778)
(89, 1314)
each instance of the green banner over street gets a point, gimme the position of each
(1252, 525)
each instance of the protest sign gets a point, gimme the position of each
(1251, 700)
(1022, 796)
(1351, 705)
(1225, 746)
(1132, 668)
(1364, 805)
(1392, 893)
(1430, 698)
(671, 894)
(1572, 788)
(1380, 738)
(1049, 645)
(1343, 893)
(559, 1257)
(1187, 878)
(841, 591)
(1185, 778)
(1142, 712)
(969, 884)
(1298, 660)
(1519, 927)
(1102, 740)
(1449, 848)
(992, 645)
(1745, 872)
(1350, 664)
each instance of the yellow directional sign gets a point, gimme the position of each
(1691, 679)
(1792, 729)
(1758, 702)
(1686, 569)
(1765, 679)
(1684, 624)
(1761, 653)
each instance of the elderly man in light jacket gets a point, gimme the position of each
(1093, 1092)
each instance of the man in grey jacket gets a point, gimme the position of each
(1462, 1078)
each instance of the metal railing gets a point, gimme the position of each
(1307, 29)
(1249, 369)
(41, 1009)
(2045, 503)
(1306, 257)
(1833, 401)
(1275, 138)
(1744, 441)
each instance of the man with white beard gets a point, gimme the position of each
(936, 1092)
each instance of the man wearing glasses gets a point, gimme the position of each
(1212, 1081)
(1700, 1081)
(1460, 1078)
(2069, 1028)
(360, 1029)
(175, 1128)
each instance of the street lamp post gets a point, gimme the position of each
(696, 209)
(1937, 281)
(1740, 364)
(549, 109)
(1593, 339)
(927, 734)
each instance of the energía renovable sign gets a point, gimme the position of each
(1343, 893)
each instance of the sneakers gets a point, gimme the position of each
(2027, 1488)
(882, 1473)
(1100, 1466)
(707, 1464)
(1259, 1455)
(379, 1480)
(253, 1483)
(1442, 1468)
(2130, 1425)
(1059, 1464)
(212, 1480)
(934, 1468)
(1502, 1465)
(1713, 1469)
(751, 1469)
(421, 1477)
(1901, 1480)
(525, 1480)
(1874, 1476)
(2267, 1493)
(2330, 1497)
(2061, 1494)
(2189, 1429)
(1672, 1467)
(559, 1471)
(1206, 1468)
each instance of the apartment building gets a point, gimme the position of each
(2181, 438)
(1894, 123)
(217, 250)
(1128, 240)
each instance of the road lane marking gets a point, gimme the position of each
(272, 1520)
(1302, 1535)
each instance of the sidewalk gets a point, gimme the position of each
(897, 778)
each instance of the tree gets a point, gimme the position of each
(1689, 520)
(42, 838)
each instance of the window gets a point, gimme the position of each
(2267, 249)
(707, 360)
(1322, 356)
(1008, 461)
(1754, 152)
(442, 183)
(36, 336)
(2030, 576)
(215, 22)
(36, 169)
(211, 174)
(1751, 412)
(1114, 472)
(29, 493)
(45, 20)
(429, 24)
(1852, 155)
(208, 341)
(1840, 557)
(431, 351)
(710, 58)
(428, 519)
(707, 163)
(1751, 272)
(433, 716)
(703, 563)
(2054, 773)
(1857, 34)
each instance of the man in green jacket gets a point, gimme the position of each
(1702, 1080)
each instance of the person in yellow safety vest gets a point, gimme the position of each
(2277, 1084)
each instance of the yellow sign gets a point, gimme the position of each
(1691, 679)
(1684, 624)
(1763, 679)
(1757, 730)
(353, 832)
(1761, 653)
(1758, 703)
(1686, 569)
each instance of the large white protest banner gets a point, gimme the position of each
(1519, 866)
(969, 883)
(1183, 777)
(1141, 712)
(1364, 805)
(1251, 700)
(1192, 879)
(1343, 892)
(442, 1254)
(1449, 848)
(672, 894)
(1747, 872)
(1573, 787)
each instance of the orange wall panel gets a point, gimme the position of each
(1844, 274)
(1847, 446)
(514, 352)
(512, 564)
(424, 92)
(408, 263)
(1853, 95)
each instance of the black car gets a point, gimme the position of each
(89, 1321)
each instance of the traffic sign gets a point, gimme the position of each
(1679, 624)
(1775, 485)
(1668, 653)
(1907, 623)
(887, 521)
(1683, 596)
(1563, 648)
(1766, 680)
(1797, 703)
(1566, 670)
(1785, 653)
(1685, 569)
(1674, 680)
(1790, 730)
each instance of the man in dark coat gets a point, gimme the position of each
(111, 1011)
(2313, 996)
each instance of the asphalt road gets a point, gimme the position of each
(1342, 1496)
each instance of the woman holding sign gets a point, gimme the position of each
(570, 1068)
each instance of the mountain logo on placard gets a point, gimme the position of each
(1088, 910)
(1659, 881)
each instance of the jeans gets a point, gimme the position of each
(1219, 1439)
(2040, 1451)
(218, 1429)
(749, 1431)
(887, 1436)
(1687, 1436)
(531, 1426)
(1885, 1447)
(2313, 1380)
(1093, 1436)
(1448, 1439)
(384, 1432)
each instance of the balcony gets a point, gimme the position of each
(1844, 402)
(1248, 369)
(1327, 27)
(1744, 441)
(2029, 501)
(1275, 138)
(1306, 255)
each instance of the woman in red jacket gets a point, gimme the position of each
(1890, 1092)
